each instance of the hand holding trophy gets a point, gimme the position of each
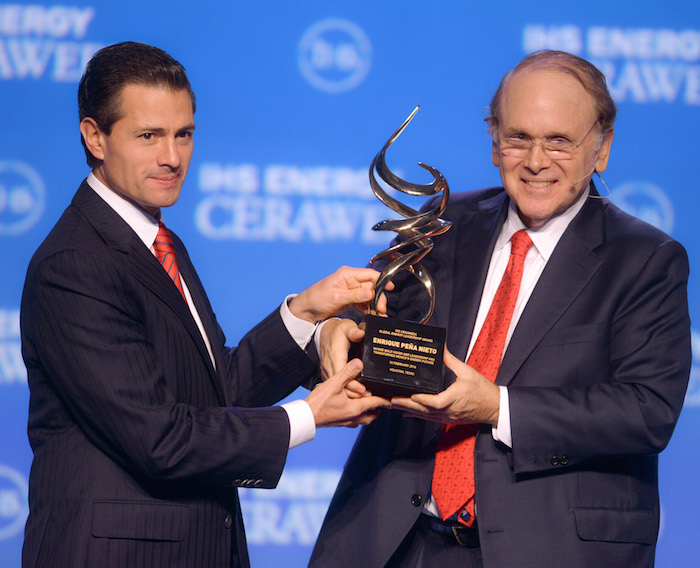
(402, 357)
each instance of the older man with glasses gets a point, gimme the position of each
(572, 318)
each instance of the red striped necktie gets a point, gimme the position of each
(453, 474)
(165, 253)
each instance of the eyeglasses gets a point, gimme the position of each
(553, 148)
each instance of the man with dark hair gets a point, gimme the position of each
(142, 422)
(99, 92)
(572, 318)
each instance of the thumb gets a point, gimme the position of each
(450, 360)
(448, 357)
(355, 333)
(362, 294)
(350, 371)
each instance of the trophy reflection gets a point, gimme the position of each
(405, 357)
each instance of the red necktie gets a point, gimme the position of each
(453, 475)
(165, 253)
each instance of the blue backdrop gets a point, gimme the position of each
(294, 99)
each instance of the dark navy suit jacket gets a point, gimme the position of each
(139, 441)
(597, 370)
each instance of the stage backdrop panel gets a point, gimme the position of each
(294, 100)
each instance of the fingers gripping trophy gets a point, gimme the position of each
(405, 357)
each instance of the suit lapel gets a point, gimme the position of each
(473, 249)
(572, 264)
(145, 268)
(201, 304)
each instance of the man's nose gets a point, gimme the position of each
(169, 153)
(537, 159)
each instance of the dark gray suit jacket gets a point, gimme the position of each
(596, 369)
(139, 442)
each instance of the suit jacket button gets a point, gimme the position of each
(416, 500)
(554, 460)
(564, 460)
(228, 521)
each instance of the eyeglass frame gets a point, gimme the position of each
(545, 151)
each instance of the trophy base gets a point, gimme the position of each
(401, 358)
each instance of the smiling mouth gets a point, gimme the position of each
(539, 184)
(166, 180)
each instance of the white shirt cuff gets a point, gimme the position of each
(301, 330)
(302, 425)
(501, 433)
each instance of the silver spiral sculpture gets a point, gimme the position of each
(416, 230)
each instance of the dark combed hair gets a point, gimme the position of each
(114, 67)
(590, 77)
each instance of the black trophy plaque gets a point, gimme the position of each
(403, 357)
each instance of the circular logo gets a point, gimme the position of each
(14, 504)
(22, 198)
(647, 202)
(334, 55)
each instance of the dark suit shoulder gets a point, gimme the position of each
(70, 233)
(87, 226)
(465, 201)
(629, 233)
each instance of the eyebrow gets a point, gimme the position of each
(549, 136)
(162, 131)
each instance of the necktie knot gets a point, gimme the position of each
(165, 253)
(520, 243)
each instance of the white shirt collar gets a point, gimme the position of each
(143, 224)
(546, 236)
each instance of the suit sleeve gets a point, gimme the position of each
(94, 363)
(631, 407)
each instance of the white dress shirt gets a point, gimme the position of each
(302, 426)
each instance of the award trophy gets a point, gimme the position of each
(404, 357)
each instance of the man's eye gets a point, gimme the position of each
(558, 145)
(147, 135)
(518, 140)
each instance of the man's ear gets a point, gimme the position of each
(601, 161)
(495, 154)
(93, 137)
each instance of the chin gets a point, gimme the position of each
(534, 218)
(169, 199)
